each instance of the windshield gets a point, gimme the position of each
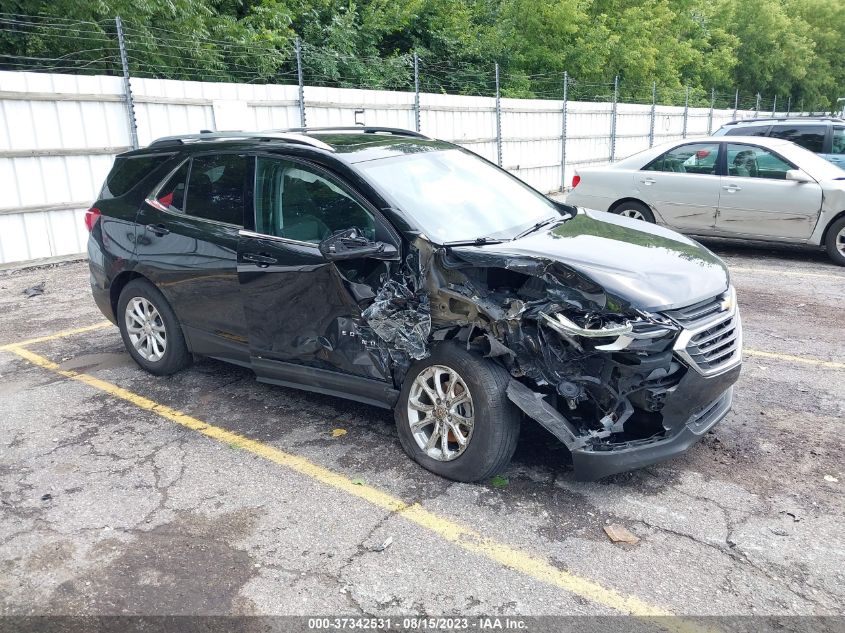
(455, 197)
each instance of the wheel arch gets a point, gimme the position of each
(622, 201)
(119, 283)
(830, 223)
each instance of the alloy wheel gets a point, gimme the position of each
(146, 329)
(440, 413)
(632, 213)
(840, 241)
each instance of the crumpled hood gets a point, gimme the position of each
(650, 267)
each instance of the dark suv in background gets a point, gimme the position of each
(408, 273)
(824, 136)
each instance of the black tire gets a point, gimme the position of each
(834, 240)
(176, 355)
(631, 206)
(497, 420)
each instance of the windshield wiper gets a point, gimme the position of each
(478, 241)
(539, 225)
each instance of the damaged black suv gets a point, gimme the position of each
(408, 273)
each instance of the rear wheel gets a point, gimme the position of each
(150, 330)
(635, 210)
(454, 417)
(835, 241)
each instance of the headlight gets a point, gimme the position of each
(625, 329)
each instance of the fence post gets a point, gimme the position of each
(416, 91)
(788, 104)
(563, 132)
(301, 85)
(757, 107)
(127, 88)
(736, 103)
(775, 106)
(613, 119)
(653, 112)
(686, 111)
(712, 105)
(498, 119)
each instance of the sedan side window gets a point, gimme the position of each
(808, 136)
(299, 203)
(747, 161)
(693, 158)
(838, 146)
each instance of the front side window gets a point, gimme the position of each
(298, 202)
(810, 137)
(455, 196)
(693, 158)
(216, 188)
(747, 161)
(838, 145)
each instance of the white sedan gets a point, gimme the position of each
(727, 186)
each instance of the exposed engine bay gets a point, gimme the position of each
(593, 370)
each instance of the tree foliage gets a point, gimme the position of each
(788, 48)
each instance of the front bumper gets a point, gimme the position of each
(695, 406)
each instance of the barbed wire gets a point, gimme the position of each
(46, 43)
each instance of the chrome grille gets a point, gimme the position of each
(711, 340)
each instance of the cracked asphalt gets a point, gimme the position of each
(108, 508)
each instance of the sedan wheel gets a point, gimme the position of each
(146, 329)
(835, 241)
(635, 210)
(440, 413)
(632, 213)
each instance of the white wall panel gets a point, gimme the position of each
(59, 135)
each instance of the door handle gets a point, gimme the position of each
(731, 188)
(648, 181)
(158, 229)
(260, 260)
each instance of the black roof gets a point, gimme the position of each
(351, 144)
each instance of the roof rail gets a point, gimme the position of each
(270, 135)
(786, 118)
(361, 129)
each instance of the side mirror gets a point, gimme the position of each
(797, 175)
(351, 244)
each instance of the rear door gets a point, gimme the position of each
(300, 308)
(758, 200)
(187, 245)
(683, 185)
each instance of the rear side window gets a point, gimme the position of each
(128, 171)
(172, 193)
(216, 188)
(693, 158)
(748, 130)
(808, 136)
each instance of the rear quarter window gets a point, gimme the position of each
(128, 171)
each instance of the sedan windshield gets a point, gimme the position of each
(456, 197)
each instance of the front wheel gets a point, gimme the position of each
(835, 241)
(454, 417)
(635, 210)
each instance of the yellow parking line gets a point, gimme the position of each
(463, 537)
(62, 334)
(794, 359)
(788, 273)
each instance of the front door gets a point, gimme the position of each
(187, 245)
(299, 307)
(758, 200)
(682, 185)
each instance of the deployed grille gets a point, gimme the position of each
(712, 336)
(716, 345)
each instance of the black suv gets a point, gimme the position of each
(408, 273)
